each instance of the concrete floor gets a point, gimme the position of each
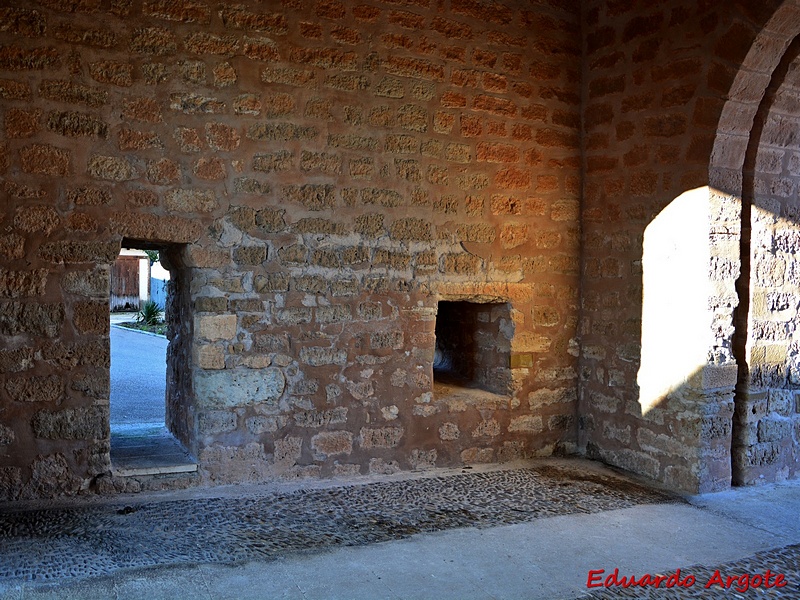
(544, 558)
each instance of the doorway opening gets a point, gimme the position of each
(473, 347)
(147, 352)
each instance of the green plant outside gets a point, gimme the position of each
(149, 313)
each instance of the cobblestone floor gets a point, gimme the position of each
(48, 544)
(74, 543)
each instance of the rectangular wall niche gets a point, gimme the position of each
(473, 346)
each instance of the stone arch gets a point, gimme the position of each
(734, 182)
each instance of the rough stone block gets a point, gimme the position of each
(477, 455)
(387, 339)
(287, 451)
(21, 123)
(153, 41)
(215, 327)
(95, 383)
(402, 144)
(280, 132)
(317, 356)
(16, 58)
(72, 93)
(411, 229)
(37, 218)
(7, 438)
(90, 317)
(85, 423)
(382, 437)
(352, 142)
(270, 283)
(238, 17)
(191, 201)
(282, 160)
(43, 159)
(338, 313)
(12, 246)
(16, 284)
(112, 72)
(14, 90)
(13, 361)
(194, 104)
(294, 316)
(774, 430)
(51, 477)
(110, 168)
(311, 196)
(216, 421)
(527, 423)
(423, 459)
(331, 443)
(210, 357)
(378, 466)
(38, 319)
(36, 389)
(240, 387)
(265, 424)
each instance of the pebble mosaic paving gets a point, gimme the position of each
(73, 543)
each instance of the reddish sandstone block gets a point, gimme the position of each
(497, 153)
(414, 67)
(138, 140)
(496, 106)
(312, 31)
(513, 178)
(113, 72)
(330, 9)
(90, 317)
(238, 17)
(407, 20)
(15, 58)
(364, 12)
(262, 49)
(89, 196)
(110, 168)
(14, 90)
(212, 169)
(485, 12)
(208, 43)
(163, 171)
(185, 11)
(222, 137)
(188, 139)
(20, 123)
(142, 109)
(452, 29)
(156, 41)
(82, 222)
(75, 124)
(45, 160)
(74, 34)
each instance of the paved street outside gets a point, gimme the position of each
(138, 377)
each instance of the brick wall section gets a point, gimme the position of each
(656, 79)
(327, 172)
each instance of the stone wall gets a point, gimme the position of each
(656, 82)
(766, 444)
(321, 175)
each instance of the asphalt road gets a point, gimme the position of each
(138, 377)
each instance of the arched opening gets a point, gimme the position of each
(756, 166)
